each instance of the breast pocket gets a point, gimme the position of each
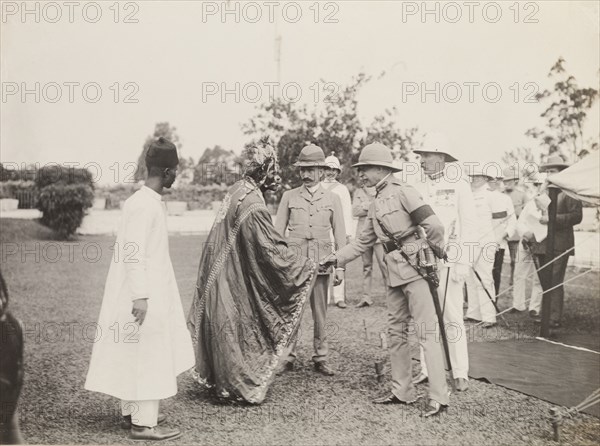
(298, 212)
(392, 215)
(324, 214)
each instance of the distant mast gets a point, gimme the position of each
(277, 52)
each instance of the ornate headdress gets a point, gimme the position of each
(260, 162)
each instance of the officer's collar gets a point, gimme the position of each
(436, 175)
(382, 183)
(312, 190)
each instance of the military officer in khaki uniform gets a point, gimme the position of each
(397, 211)
(361, 202)
(311, 215)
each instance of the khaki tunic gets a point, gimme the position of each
(310, 220)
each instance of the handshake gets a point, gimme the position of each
(328, 261)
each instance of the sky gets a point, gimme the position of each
(97, 76)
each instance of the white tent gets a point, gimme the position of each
(581, 180)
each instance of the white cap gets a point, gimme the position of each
(333, 163)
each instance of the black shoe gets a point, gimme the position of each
(534, 314)
(390, 398)
(286, 366)
(461, 384)
(341, 304)
(323, 369)
(434, 408)
(141, 433)
(126, 420)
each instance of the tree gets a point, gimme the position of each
(165, 130)
(565, 115)
(523, 159)
(217, 166)
(336, 128)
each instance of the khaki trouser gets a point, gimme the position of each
(414, 299)
(318, 306)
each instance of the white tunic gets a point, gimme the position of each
(504, 218)
(484, 230)
(449, 195)
(342, 191)
(129, 361)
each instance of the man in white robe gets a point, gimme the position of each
(142, 341)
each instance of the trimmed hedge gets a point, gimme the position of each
(197, 197)
(57, 174)
(64, 206)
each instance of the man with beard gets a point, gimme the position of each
(251, 290)
(143, 343)
(313, 216)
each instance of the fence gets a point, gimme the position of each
(27, 198)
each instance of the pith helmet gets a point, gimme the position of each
(376, 154)
(510, 173)
(333, 162)
(311, 156)
(449, 158)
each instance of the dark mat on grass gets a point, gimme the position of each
(560, 375)
(586, 340)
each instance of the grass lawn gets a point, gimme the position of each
(58, 296)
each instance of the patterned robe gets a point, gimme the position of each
(249, 298)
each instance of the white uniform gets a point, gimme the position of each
(449, 194)
(140, 364)
(504, 218)
(341, 191)
(480, 306)
(525, 266)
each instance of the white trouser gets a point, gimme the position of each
(143, 413)
(480, 306)
(524, 267)
(454, 324)
(336, 293)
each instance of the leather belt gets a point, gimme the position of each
(391, 245)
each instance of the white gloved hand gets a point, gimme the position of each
(459, 272)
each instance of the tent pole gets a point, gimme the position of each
(548, 272)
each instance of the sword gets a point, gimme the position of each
(440, 317)
(489, 296)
